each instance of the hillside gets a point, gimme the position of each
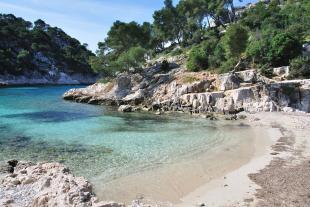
(255, 61)
(40, 54)
(215, 36)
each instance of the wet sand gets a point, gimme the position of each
(278, 176)
(269, 168)
(168, 185)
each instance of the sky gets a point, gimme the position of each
(86, 20)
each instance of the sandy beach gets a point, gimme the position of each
(263, 170)
(277, 175)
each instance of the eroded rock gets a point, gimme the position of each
(47, 185)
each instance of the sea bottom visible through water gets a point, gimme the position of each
(97, 142)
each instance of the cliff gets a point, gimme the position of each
(156, 88)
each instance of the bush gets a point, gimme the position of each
(177, 51)
(165, 66)
(228, 65)
(218, 57)
(299, 68)
(267, 71)
(197, 60)
(283, 47)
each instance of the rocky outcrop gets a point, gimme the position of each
(178, 90)
(228, 82)
(125, 108)
(282, 72)
(45, 185)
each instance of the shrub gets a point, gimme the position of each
(177, 51)
(197, 59)
(299, 68)
(218, 57)
(283, 47)
(228, 65)
(165, 66)
(267, 71)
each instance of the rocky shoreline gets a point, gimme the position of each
(52, 78)
(157, 89)
(45, 184)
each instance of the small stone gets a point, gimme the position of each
(125, 108)
(16, 182)
(23, 171)
(28, 181)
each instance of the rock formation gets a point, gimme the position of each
(24, 184)
(178, 90)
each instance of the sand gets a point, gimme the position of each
(271, 168)
(168, 183)
(276, 176)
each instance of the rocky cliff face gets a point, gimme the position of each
(178, 90)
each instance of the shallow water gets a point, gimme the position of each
(96, 141)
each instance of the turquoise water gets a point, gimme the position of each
(36, 124)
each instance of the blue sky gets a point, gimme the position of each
(86, 20)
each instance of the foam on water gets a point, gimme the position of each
(37, 125)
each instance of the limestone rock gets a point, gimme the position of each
(248, 76)
(228, 82)
(283, 71)
(47, 185)
(125, 108)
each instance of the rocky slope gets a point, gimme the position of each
(155, 88)
(24, 184)
(37, 53)
(46, 70)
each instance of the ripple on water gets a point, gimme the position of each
(79, 157)
(50, 116)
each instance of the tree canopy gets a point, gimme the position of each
(23, 45)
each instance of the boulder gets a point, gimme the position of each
(242, 95)
(283, 71)
(125, 108)
(135, 98)
(228, 81)
(248, 76)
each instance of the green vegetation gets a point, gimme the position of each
(197, 59)
(299, 68)
(36, 47)
(214, 34)
(217, 38)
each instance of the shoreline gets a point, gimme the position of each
(239, 181)
(249, 185)
(170, 184)
(271, 168)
